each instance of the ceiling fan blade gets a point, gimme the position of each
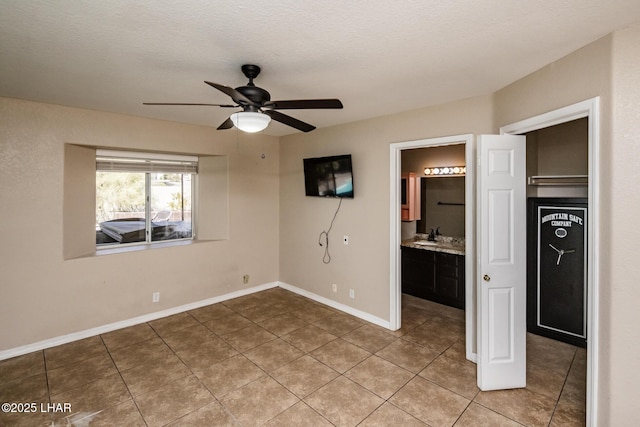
(183, 103)
(289, 121)
(227, 124)
(234, 94)
(304, 104)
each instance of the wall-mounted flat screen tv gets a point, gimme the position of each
(329, 176)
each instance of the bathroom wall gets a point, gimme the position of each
(450, 218)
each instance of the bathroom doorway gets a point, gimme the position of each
(397, 150)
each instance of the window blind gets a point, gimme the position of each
(126, 161)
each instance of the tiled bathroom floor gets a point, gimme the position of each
(277, 359)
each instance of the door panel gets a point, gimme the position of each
(500, 334)
(500, 226)
(501, 215)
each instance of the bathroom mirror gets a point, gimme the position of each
(442, 205)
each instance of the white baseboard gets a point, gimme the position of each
(338, 306)
(65, 339)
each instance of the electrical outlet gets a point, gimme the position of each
(352, 293)
(155, 297)
(345, 240)
(245, 279)
(334, 287)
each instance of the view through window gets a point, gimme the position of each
(143, 200)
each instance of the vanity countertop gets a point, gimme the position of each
(450, 245)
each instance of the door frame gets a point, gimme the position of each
(590, 109)
(395, 291)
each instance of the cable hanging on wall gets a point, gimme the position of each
(327, 257)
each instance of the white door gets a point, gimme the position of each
(501, 281)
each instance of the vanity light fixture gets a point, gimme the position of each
(249, 121)
(446, 171)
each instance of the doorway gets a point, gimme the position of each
(557, 192)
(586, 109)
(469, 220)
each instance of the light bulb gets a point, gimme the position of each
(249, 121)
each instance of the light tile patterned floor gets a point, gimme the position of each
(277, 359)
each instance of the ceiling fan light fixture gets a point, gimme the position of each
(249, 121)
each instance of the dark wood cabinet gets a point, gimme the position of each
(436, 276)
(418, 272)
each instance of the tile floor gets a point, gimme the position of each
(277, 359)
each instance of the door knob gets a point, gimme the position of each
(486, 277)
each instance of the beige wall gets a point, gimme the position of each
(43, 296)
(620, 236)
(364, 264)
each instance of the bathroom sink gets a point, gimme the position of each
(425, 243)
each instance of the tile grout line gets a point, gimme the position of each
(305, 353)
(371, 354)
(46, 374)
(242, 353)
(564, 383)
(123, 380)
(215, 399)
(242, 309)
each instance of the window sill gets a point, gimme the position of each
(142, 247)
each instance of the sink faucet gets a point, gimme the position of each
(433, 234)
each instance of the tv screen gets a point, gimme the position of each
(328, 176)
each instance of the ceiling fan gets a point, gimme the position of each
(257, 107)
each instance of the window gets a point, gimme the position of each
(143, 197)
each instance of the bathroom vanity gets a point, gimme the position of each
(434, 270)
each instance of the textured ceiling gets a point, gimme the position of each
(377, 56)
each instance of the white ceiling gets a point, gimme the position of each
(377, 56)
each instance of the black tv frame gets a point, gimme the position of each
(320, 176)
